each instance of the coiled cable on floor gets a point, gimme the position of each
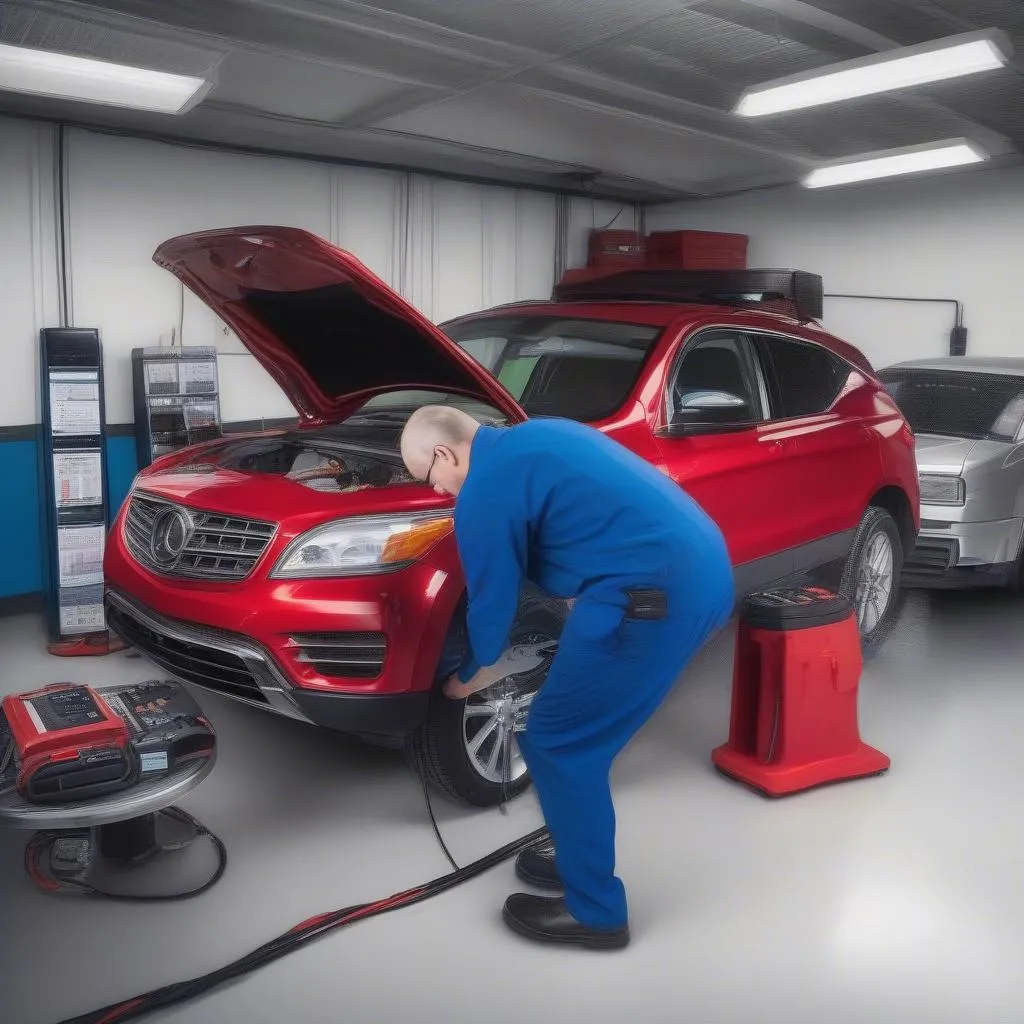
(40, 844)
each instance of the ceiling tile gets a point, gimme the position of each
(297, 88)
(555, 129)
(538, 24)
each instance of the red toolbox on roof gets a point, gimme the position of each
(615, 249)
(696, 250)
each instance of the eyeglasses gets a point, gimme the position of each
(431, 469)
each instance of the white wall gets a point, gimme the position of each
(449, 247)
(28, 269)
(956, 236)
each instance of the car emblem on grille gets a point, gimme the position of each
(172, 531)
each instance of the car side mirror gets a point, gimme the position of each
(709, 412)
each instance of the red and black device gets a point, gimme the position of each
(66, 743)
(70, 742)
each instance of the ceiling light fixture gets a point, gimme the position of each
(61, 76)
(935, 61)
(910, 160)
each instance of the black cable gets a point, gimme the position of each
(605, 227)
(43, 840)
(430, 811)
(956, 303)
(305, 931)
(62, 239)
(138, 1006)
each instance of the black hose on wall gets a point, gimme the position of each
(957, 336)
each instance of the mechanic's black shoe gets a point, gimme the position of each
(546, 919)
(536, 865)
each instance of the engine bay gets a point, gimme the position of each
(316, 459)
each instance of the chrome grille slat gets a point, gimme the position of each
(340, 655)
(222, 548)
(329, 645)
(347, 659)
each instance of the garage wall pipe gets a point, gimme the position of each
(562, 217)
(61, 186)
(957, 336)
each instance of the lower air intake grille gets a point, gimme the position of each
(932, 555)
(342, 655)
(193, 661)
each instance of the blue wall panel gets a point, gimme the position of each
(122, 465)
(20, 524)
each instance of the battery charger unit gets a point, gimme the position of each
(96, 771)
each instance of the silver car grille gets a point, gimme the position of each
(174, 540)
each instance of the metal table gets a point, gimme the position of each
(131, 845)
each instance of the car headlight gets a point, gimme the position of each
(361, 545)
(939, 489)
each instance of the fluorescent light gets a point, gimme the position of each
(43, 73)
(901, 68)
(913, 159)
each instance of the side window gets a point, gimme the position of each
(485, 351)
(804, 378)
(713, 383)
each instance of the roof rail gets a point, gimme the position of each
(804, 291)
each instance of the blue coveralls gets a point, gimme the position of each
(567, 508)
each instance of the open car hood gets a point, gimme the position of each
(324, 326)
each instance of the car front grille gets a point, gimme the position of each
(932, 556)
(342, 655)
(213, 546)
(195, 661)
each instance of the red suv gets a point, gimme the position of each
(302, 570)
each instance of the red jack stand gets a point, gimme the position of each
(797, 667)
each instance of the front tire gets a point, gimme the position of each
(460, 747)
(871, 578)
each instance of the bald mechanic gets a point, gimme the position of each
(561, 505)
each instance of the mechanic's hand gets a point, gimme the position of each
(455, 689)
(458, 690)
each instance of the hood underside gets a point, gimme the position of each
(328, 330)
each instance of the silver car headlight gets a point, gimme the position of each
(361, 545)
(941, 489)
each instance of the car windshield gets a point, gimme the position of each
(553, 366)
(958, 403)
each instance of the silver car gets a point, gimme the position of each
(968, 416)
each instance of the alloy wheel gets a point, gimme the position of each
(874, 582)
(488, 721)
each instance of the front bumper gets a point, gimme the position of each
(952, 555)
(236, 666)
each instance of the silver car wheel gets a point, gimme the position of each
(488, 724)
(486, 728)
(874, 582)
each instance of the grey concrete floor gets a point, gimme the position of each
(885, 900)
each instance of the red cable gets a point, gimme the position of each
(306, 926)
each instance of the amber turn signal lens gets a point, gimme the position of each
(416, 541)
